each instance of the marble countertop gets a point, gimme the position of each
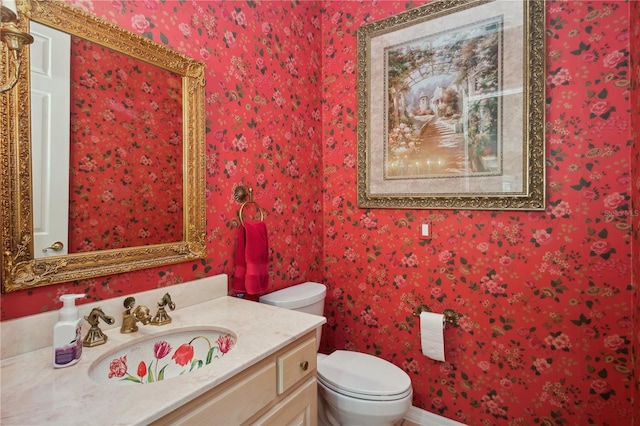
(35, 393)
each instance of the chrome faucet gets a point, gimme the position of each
(161, 317)
(133, 315)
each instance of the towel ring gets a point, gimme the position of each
(258, 208)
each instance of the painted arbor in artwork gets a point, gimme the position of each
(444, 103)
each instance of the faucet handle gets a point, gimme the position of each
(166, 301)
(95, 336)
(161, 317)
(129, 303)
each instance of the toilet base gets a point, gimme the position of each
(323, 420)
(339, 410)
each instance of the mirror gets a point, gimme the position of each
(117, 128)
(20, 268)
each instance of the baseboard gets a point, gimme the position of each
(425, 418)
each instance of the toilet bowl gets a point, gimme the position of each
(361, 389)
(353, 388)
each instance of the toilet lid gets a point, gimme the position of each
(296, 296)
(363, 376)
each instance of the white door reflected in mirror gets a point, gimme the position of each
(50, 116)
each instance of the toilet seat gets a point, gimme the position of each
(363, 376)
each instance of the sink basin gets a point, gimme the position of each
(163, 355)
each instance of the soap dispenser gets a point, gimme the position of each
(67, 333)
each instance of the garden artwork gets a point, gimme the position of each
(451, 107)
(443, 104)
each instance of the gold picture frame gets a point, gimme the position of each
(451, 107)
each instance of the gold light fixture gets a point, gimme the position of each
(15, 40)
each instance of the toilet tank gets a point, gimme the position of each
(306, 297)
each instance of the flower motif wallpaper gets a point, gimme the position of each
(548, 301)
(125, 186)
(546, 297)
(634, 27)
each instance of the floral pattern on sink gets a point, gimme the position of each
(156, 366)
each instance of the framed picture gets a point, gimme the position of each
(451, 107)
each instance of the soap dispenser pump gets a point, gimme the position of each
(67, 333)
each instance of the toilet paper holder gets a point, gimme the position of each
(450, 315)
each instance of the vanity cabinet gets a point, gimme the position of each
(279, 390)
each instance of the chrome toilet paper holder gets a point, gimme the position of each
(450, 315)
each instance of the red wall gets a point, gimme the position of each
(546, 297)
(263, 116)
(548, 323)
(634, 27)
(125, 173)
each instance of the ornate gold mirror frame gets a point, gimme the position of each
(20, 269)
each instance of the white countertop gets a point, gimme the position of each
(35, 393)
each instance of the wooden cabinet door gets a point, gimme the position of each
(298, 409)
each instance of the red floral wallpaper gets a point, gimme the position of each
(125, 186)
(634, 27)
(547, 327)
(264, 129)
(548, 299)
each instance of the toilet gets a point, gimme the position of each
(353, 388)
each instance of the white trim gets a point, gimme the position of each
(426, 418)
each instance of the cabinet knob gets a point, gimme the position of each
(304, 365)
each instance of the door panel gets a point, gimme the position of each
(50, 101)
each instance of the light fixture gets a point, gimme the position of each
(15, 39)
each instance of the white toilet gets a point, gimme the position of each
(354, 388)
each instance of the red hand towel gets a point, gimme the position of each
(241, 264)
(256, 257)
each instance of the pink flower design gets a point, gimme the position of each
(445, 256)
(541, 236)
(599, 108)
(139, 23)
(505, 260)
(613, 59)
(493, 284)
(613, 342)
(612, 201)
(225, 343)
(436, 292)
(541, 365)
(561, 77)
(600, 386)
(493, 404)
(161, 349)
(118, 367)
(483, 247)
(600, 247)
